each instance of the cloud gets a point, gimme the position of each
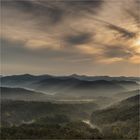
(80, 38)
(54, 11)
(84, 5)
(76, 32)
(40, 24)
(123, 33)
(135, 59)
(117, 51)
(132, 11)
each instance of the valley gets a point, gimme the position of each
(95, 109)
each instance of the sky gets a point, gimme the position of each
(62, 37)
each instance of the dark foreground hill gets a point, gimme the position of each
(16, 112)
(120, 120)
(69, 130)
(44, 120)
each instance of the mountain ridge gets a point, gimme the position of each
(68, 85)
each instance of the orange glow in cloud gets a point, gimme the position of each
(137, 44)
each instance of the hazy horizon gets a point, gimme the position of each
(72, 74)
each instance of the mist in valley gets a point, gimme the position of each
(69, 108)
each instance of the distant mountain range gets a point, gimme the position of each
(80, 77)
(73, 85)
(107, 78)
(21, 80)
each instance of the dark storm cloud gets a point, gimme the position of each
(43, 11)
(122, 32)
(84, 5)
(117, 51)
(134, 12)
(54, 11)
(132, 8)
(78, 39)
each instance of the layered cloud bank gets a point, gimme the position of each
(83, 36)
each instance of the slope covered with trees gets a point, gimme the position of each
(120, 120)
